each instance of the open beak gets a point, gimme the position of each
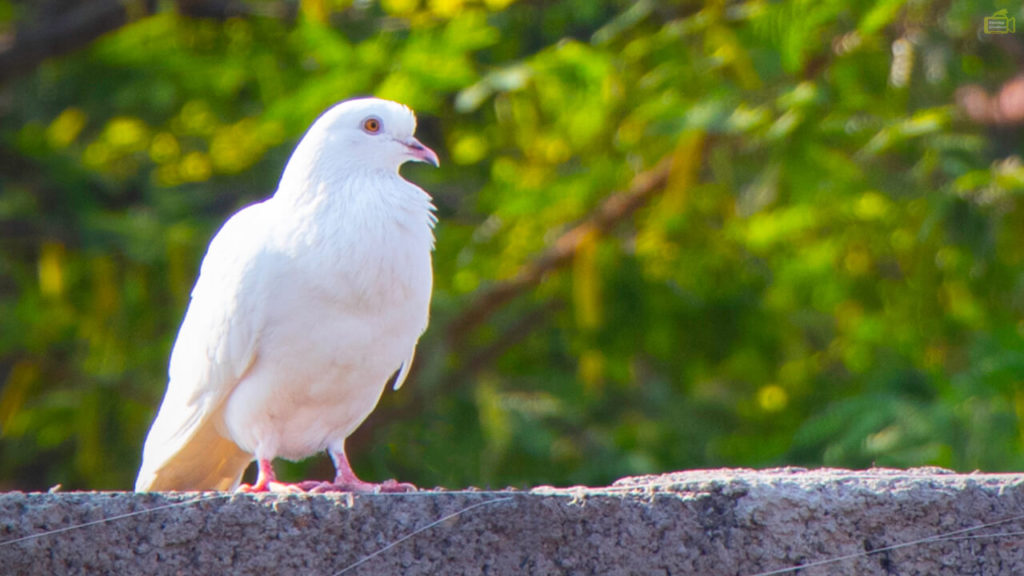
(421, 153)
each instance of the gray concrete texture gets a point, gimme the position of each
(714, 522)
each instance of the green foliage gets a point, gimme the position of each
(841, 282)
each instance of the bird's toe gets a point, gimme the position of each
(394, 486)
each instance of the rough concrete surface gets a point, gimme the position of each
(715, 522)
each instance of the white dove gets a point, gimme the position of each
(306, 305)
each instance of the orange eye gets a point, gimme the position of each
(371, 125)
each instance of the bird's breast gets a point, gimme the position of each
(347, 310)
(367, 253)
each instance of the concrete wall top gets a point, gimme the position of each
(716, 522)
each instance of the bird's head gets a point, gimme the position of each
(373, 133)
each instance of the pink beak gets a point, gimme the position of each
(421, 153)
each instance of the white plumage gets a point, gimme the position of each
(305, 306)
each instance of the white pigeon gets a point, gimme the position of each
(306, 305)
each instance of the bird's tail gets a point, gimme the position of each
(204, 460)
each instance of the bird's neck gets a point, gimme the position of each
(365, 202)
(359, 229)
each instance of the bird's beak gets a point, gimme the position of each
(421, 153)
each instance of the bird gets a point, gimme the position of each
(306, 306)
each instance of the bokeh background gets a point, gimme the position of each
(672, 234)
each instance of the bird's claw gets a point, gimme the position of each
(317, 487)
(386, 487)
(394, 486)
(271, 488)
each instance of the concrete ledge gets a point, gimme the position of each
(720, 522)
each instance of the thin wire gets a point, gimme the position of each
(936, 538)
(112, 519)
(976, 536)
(418, 531)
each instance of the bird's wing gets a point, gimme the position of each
(215, 347)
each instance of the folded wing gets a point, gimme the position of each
(186, 448)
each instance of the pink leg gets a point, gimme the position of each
(345, 480)
(264, 478)
(266, 481)
(344, 475)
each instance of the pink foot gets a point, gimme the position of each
(272, 488)
(345, 481)
(387, 486)
(252, 489)
(266, 481)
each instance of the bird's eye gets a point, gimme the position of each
(371, 125)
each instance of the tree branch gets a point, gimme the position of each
(515, 333)
(66, 30)
(616, 208)
(66, 33)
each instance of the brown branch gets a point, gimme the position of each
(66, 30)
(65, 33)
(224, 9)
(613, 210)
(515, 333)
(408, 408)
